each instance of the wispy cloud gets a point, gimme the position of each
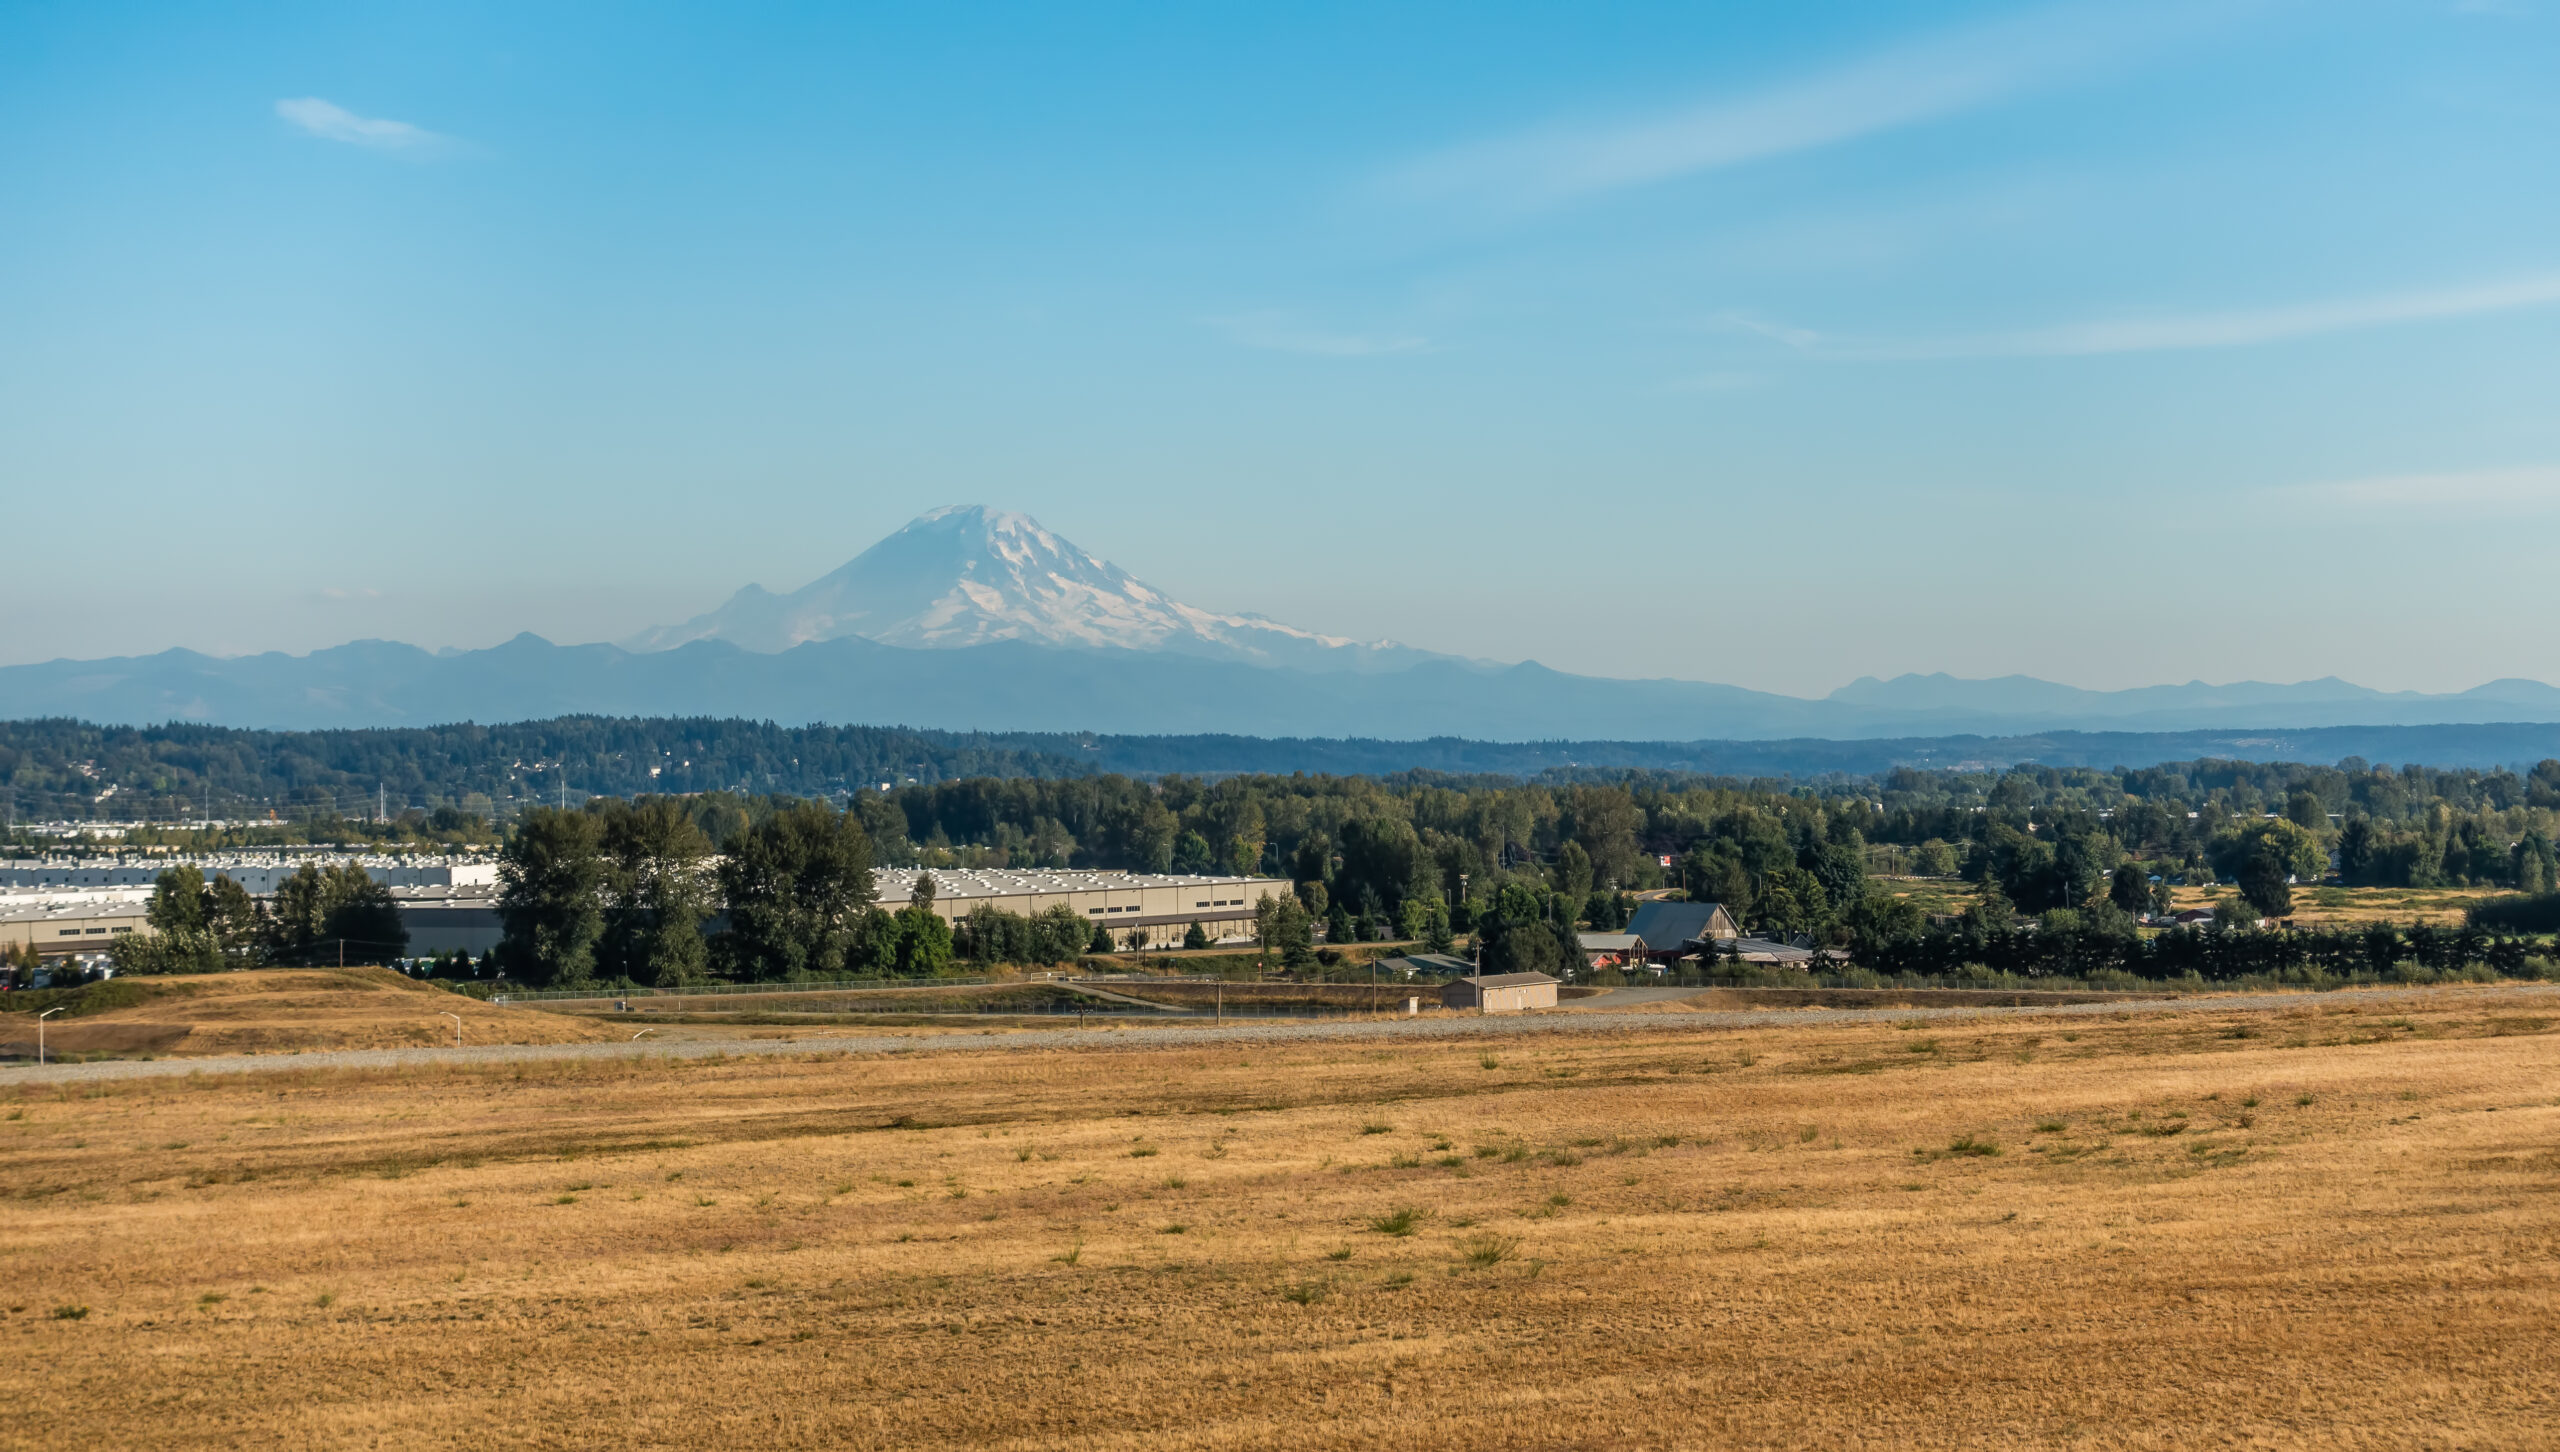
(1927, 81)
(2166, 332)
(2530, 490)
(1280, 332)
(332, 122)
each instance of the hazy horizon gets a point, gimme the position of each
(2113, 345)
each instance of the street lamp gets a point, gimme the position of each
(457, 1028)
(40, 1018)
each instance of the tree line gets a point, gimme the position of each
(335, 913)
(629, 891)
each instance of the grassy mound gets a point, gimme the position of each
(277, 1010)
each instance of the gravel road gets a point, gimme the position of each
(1186, 1037)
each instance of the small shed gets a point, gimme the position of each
(1500, 992)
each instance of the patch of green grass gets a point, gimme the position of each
(1963, 1146)
(1488, 1250)
(1488, 1061)
(71, 1313)
(1397, 1282)
(1143, 1151)
(1398, 1222)
(1176, 1228)
(1070, 1255)
(1340, 1252)
(2050, 1126)
(1377, 1129)
(1305, 1293)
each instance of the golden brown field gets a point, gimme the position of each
(2335, 1224)
(288, 1010)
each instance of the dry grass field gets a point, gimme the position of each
(2336, 1224)
(2313, 906)
(288, 1010)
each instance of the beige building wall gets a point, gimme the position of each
(85, 929)
(1161, 906)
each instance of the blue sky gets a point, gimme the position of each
(1773, 344)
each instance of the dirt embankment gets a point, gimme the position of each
(279, 1010)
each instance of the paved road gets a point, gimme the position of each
(1187, 1036)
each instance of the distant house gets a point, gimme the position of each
(1500, 992)
(1610, 950)
(1672, 930)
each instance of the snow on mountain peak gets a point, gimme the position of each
(968, 575)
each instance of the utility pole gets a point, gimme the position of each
(40, 1018)
(457, 1029)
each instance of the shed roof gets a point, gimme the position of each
(1436, 963)
(1507, 980)
(1610, 942)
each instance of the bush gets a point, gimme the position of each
(2517, 913)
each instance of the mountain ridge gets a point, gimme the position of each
(970, 618)
(1020, 686)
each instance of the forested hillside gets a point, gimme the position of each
(77, 771)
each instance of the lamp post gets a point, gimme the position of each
(40, 1018)
(457, 1028)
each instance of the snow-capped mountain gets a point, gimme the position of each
(968, 575)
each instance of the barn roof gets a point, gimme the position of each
(1665, 924)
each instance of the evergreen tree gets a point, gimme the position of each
(799, 888)
(658, 893)
(551, 877)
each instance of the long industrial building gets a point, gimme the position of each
(259, 872)
(1157, 908)
(452, 904)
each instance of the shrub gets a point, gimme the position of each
(1398, 1222)
(1488, 1250)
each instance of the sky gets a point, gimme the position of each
(1775, 345)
